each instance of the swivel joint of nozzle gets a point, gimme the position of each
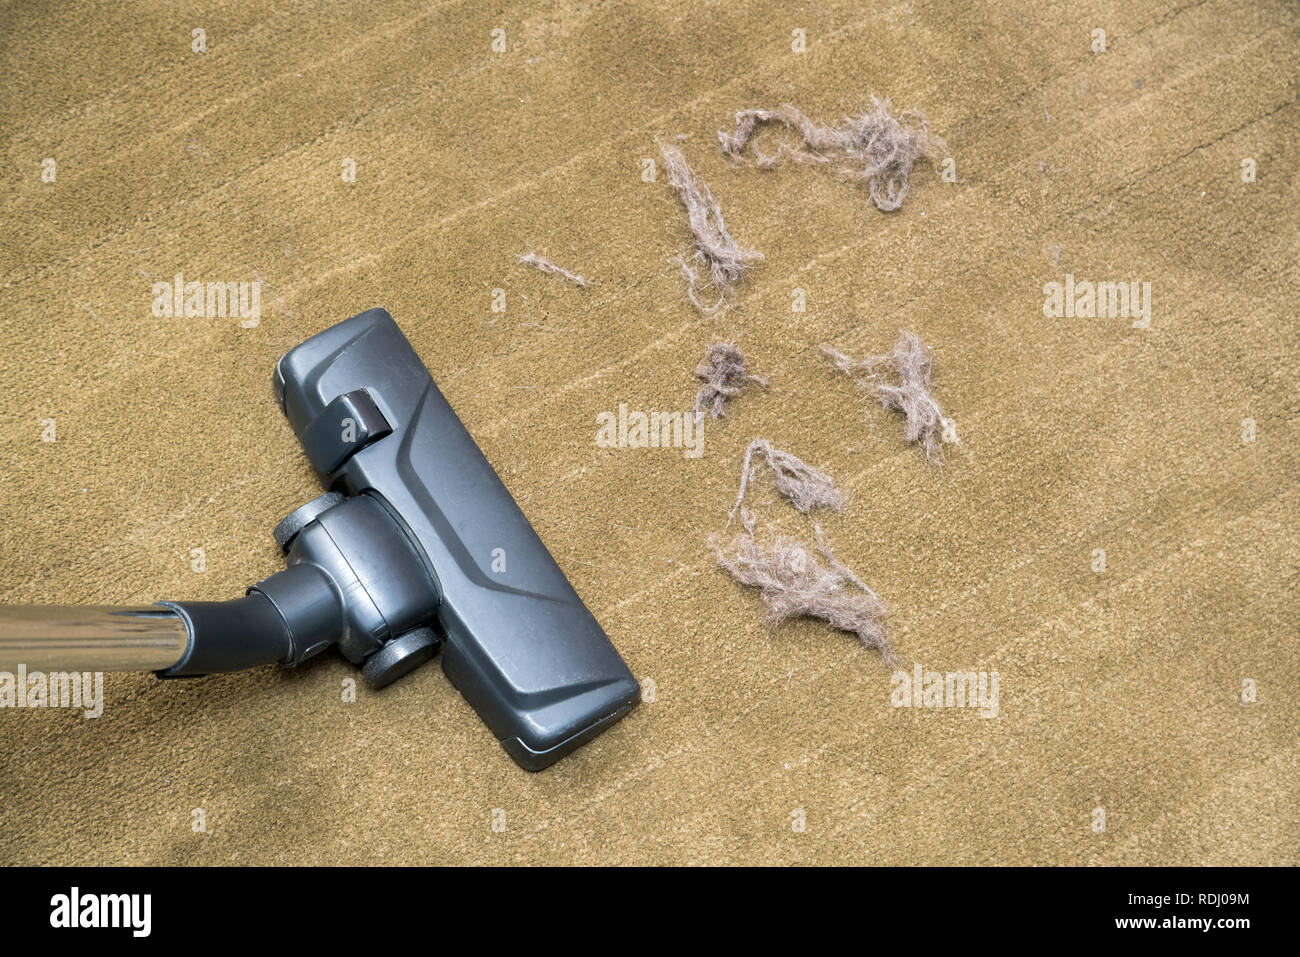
(354, 580)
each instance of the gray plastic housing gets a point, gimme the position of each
(520, 645)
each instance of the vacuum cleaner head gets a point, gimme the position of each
(415, 545)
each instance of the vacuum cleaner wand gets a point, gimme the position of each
(416, 546)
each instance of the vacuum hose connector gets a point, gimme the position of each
(354, 579)
(229, 636)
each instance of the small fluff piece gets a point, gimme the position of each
(546, 266)
(805, 486)
(910, 362)
(715, 250)
(795, 584)
(878, 147)
(723, 374)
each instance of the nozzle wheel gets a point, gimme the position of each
(302, 516)
(400, 656)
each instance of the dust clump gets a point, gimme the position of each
(874, 145)
(797, 580)
(717, 255)
(910, 366)
(795, 583)
(805, 486)
(723, 374)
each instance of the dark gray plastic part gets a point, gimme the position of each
(301, 517)
(345, 426)
(229, 636)
(520, 644)
(400, 656)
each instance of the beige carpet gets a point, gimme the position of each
(1119, 690)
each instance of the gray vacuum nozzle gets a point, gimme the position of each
(416, 545)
